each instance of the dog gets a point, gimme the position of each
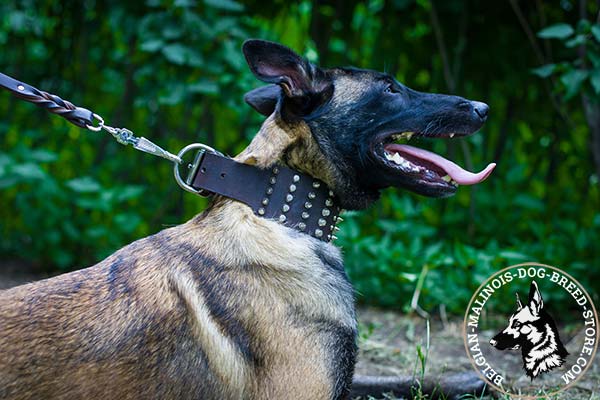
(533, 330)
(231, 305)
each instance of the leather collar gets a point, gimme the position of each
(294, 199)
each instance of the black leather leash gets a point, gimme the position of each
(81, 117)
(294, 199)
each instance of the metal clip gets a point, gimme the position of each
(125, 137)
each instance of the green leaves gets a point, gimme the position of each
(228, 5)
(85, 184)
(595, 80)
(557, 31)
(572, 80)
(544, 71)
(575, 72)
(176, 53)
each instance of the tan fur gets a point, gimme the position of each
(277, 138)
(144, 314)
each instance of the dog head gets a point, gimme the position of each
(526, 326)
(342, 126)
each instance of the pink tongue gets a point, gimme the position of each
(456, 172)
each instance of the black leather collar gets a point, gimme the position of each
(294, 199)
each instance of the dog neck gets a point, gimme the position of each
(259, 179)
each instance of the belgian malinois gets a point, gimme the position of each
(231, 305)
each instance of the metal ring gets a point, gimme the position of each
(100, 124)
(177, 174)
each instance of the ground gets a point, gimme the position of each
(389, 343)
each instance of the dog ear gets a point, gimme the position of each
(304, 85)
(264, 99)
(519, 304)
(536, 303)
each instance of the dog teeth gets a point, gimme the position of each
(399, 160)
(446, 178)
(451, 135)
(403, 135)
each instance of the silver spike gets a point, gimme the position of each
(273, 180)
(318, 233)
(322, 222)
(289, 198)
(270, 190)
(316, 184)
(265, 201)
(325, 212)
(261, 211)
(328, 202)
(292, 188)
(282, 218)
(296, 178)
(311, 195)
(285, 208)
(302, 226)
(308, 204)
(305, 215)
(275, 170)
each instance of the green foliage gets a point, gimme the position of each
(575, 76)
(172, 71)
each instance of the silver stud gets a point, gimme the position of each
(302, 226)
(292, 188)
(265, 201)
(261, 211)
(275, 170)
(270, 190)
(328, 202)
(289, 198)
(282, 218)
(296, 178)
(316, 184)
(322, 222)
(273, 180)
(285, 208)
(305, 215)
(21, 87)
(308, 204)
(330, 193)
(311, 195)
(325, 212)
(318, 233)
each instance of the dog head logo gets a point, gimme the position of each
(532, 330)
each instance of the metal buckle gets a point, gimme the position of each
(193, 167)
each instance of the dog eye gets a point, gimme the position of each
(517, 325)
(389, 89)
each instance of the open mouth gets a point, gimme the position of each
(423, 171)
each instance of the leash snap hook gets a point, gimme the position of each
(192, 168)
(98, 127)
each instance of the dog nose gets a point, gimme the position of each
(493, 342)
(481, 109)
